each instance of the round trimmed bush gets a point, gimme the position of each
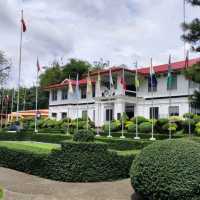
(145, 127)
(83, 136)
(140, 119)
(168, 170)
(185, 125)
(114, 126)
(160, 123)
(131, 128)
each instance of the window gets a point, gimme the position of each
(154, 112)
(118, 116)
(173, 111)
(54, 115)
(54, 95)
(83, 93)
(174, 83)
(84, 114)
(64, 115)
(109, 114)
(93, 90)
(193, 84)
(64, 94)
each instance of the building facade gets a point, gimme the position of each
(104, 104)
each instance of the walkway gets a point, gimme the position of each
(21, 186)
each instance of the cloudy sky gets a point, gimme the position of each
(121, 31)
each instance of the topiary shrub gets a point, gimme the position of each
(197, 128)
(114, 126)
(167, 127)
(145, 127)
(86, 162)
(185, 125)
(160, 123)
(188, 115)
(167, 170)
(83, 136)
(131, 128)
(140, 119)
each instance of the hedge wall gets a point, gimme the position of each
(39, 137)
(125, 144)
(25, 161)
(75, 162)
(86, 162)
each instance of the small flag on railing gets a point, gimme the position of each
(23, 23)
(70, 89)
(152, 81)
(89, 86)
(169, 76)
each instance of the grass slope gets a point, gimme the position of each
(35, 147)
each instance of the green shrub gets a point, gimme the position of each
(128, 123)
(188, 115)
(160, 123)
(167, 127)
(145, 127)
(178, 120)
(131, 128)
(114, 126)
(196, 118)
(185, 125)
(167, 170)
(197, 128)
(22, 160)
(125, 144)
(83, 136)
(140, 119)
(86, 162)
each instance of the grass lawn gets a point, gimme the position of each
(129, 152)
(35, 147)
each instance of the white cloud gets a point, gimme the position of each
(120, 31)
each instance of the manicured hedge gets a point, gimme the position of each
(75, 161)
(168, 170)
(22, 160)
(86, 162)
(83, 136)
(39, 137)
(125, 144)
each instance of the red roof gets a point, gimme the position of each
(144, 71)
(66, 82)
(164, 68)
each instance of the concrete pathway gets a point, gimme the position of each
(21, 186)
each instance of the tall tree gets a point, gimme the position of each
(58, 73)
(192, 36)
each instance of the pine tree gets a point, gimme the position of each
(192, 36)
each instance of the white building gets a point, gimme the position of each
(102, 106)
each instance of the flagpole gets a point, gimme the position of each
(189, 106)
(98, 113)
(87, 105)
(170, 99)
(136, 107)
(36, 102)
(122, 117)
(19, 72)
(109, 125)
(2, 100)
(11, 109)
(68, 122)
(152, 102)
(24, 107)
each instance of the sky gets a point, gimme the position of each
(119, 31)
